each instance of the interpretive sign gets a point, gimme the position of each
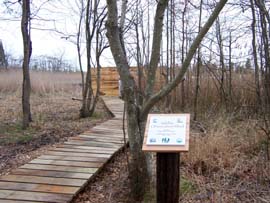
(167, 133)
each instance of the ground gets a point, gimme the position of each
(226, 163)
(110, 185)
(228, 160)
(55, 118)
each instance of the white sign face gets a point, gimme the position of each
(167, 130)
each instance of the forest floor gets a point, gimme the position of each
(55, 118)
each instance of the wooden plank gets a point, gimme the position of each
(83, 149)
(34, 196)
(74, 158)
(102, 134)
(77, 154)
(106, 130)
(43, 180)
(60, 168)
(16, 201)
(98, 139)
(94, 144)
(110, 126)
(114, 123)
(38, 187)
(66, 163)
(73, 148)
(79, 148)
(55, 174)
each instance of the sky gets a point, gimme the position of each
(61, 16)
(45, 40)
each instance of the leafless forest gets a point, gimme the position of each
(207, 58)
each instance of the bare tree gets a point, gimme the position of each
(92, 22)
(3, 59)
(27, 51)
(198, 69)
(136, 115)
(255, 56)
(265, 35)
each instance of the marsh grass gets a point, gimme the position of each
(41, 82)
(53, 110)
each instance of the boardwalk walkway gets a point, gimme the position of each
(60, 173)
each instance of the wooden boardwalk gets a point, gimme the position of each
(60, 173)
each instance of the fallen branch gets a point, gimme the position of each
(75, 99)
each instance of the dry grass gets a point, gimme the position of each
(243, 92)
(41, 82)
(227, 163)
(55, 115)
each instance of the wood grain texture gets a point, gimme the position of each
(38, 187)
(77, 154)
(74, 158)
(60, 168)
(55, 174)
(66, 163)
(15, 201)
(34, 196)
(45, 180)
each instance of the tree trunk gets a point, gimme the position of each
(136, 115)
(255, 57)
(197, 87)
(265, 44)
(223, 96)
(184, 38)
(27, 51)
(138, 169)
(89, 99)
(3, 59)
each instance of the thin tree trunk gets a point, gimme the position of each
(78, 44)
(265, 44)
(255, 57)
(198, 69)
(223, 96)
(139, 57)
(90, 28)
(184, 38)
(27, 51)
(230, 70)
(157, 36)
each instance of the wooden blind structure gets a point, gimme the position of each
(110, 77)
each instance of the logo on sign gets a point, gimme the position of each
(179, 140)
(165, 140)
(152, 140)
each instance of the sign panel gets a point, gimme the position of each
(167, 132)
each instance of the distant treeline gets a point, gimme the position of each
(42, 63)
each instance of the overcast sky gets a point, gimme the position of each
(60, 15)
(57, 16)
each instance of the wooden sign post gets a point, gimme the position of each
(168, 135)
